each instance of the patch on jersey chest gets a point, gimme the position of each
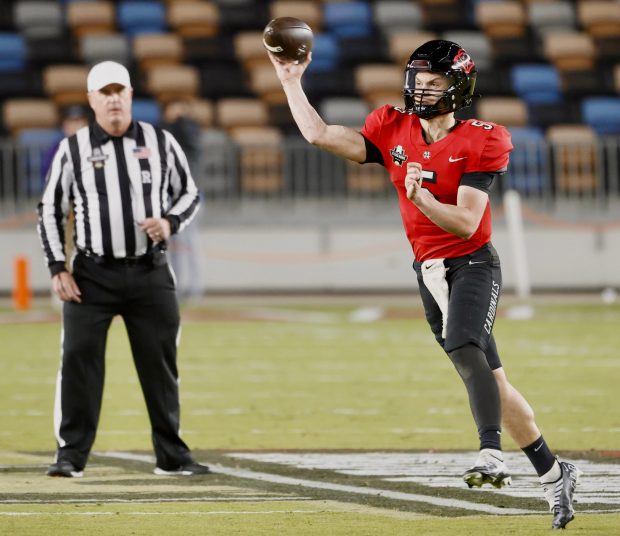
(98, 158)
(398, 155)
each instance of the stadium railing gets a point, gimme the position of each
(541, 171)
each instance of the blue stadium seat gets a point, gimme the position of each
(348, 19)
(527, 170)
(135, 16)
(146, 110)
(536, 83)
(325, 53)
(602, 114)
(12, 52)
(37, 148)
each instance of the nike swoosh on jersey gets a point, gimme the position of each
(456, 159)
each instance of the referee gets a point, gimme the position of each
(131, 188)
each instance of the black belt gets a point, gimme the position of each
(155, 257)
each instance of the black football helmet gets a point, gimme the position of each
(449, 59)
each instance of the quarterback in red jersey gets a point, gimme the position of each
(442, 169)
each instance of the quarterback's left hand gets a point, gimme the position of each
(413, 184)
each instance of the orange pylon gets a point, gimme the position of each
(22, 293)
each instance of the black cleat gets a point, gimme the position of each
(64, 468)
(188, 469)
(559, 495)
(488, 469)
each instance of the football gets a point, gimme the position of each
(288, 38)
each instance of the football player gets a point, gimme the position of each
(442, 169)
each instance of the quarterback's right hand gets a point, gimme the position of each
(66, 288)
(290, 70)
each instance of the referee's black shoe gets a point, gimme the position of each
(64, 468)
(188, 469)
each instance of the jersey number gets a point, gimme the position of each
(485, 126)
(429, 176)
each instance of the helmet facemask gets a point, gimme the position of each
(443, 58)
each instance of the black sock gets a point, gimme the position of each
(539, 454)
(490, 438)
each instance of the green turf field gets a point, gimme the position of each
(314, 378)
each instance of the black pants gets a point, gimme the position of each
(473, 283)
(143, 294)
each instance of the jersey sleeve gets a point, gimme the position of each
(372, 131)
(495, 153)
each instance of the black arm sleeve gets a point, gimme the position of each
(373, 154)
(480, 180)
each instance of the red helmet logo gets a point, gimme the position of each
(463, 61)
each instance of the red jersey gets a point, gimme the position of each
(471, 147)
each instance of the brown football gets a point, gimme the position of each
(288, 38)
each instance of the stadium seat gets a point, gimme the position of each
(587, 82)
(502, 18)
(325, 53)
(66, 84)
(168, 82)
(12, 52)
(348, 19)
(367, 181)
(91, 18)
(607, 49)
(600, 18)
(379, 82)
(206, 50)
(260, 159)
(308, 11)
(602, 114)
(136, 16)
(96, 48)
(19, 114)
(509, 50)
(569, 50)
(33, 146)
(444, 16)
(527, 169)
(494, 82)
(38, 18)
(507, 111)
(265, 83)
(396, 16)
(545, 115)
(50, 50)
(536, 83)
(249, 49)
(401, 44)
(153, 49)
(367, 49)
(575, 161)
(477, 45)
(337, 82)
(551, 16)
(194, 19)
(202, 111)
(235, 112)
(238, 18)
(146, 110)
(219, 80)
(350, 112)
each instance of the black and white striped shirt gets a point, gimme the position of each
(114, 183)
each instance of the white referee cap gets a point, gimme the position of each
(106, 73)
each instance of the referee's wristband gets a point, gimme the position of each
(174, 222)
(57, 267)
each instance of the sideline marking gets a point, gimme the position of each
(279, 479)
(216, 513)
(114, 500)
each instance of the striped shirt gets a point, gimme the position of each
(114, 183)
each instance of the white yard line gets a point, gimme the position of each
(191, 513)
(114, 500)
(330, 486)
